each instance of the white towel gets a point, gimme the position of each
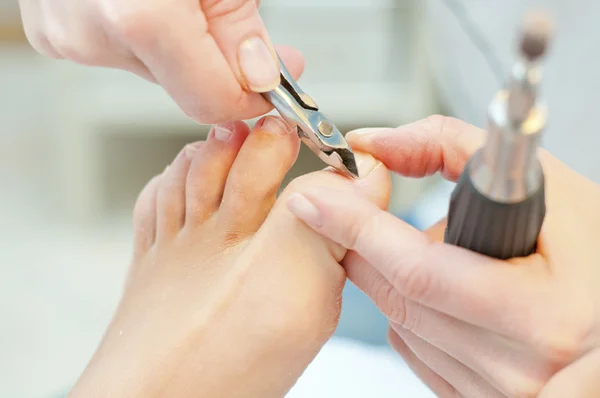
(349, 369)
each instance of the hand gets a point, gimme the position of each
(467, 324)
(211, 56)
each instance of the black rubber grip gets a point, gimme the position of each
(499, 230)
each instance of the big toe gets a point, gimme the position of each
(256, 176)
(307, 263)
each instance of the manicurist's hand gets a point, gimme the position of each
(211, 56)
(467, 324)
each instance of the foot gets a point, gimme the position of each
(229, 295)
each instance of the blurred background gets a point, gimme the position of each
(77, 144)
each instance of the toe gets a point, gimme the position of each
(209, 170)
(171, 193)
(374, 183)
(306, 263)
(256, 175)
(144, 218)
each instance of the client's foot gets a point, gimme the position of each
(228, 295)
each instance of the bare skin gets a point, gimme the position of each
(469, 325)
(229, 295)
(168, 43)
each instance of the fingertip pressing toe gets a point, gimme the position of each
(374, 180)
(374, 184)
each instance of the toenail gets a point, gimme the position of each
(302, 208)
(366, 164)
(222, 133)
(274, 125)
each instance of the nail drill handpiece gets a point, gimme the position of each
(498, 205)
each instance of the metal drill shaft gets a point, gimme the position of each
(498, 205)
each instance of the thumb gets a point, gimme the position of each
(240, 33)
(423, 148)
(212, 59)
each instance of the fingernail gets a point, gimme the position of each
(274, 125)
(302, 208)
(258, 66)
(222, 133)
(366, 164)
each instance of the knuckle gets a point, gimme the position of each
(411, 277)
(440, 124)
(437, 122)
(133, 25)
(398, 309)
(390, 303)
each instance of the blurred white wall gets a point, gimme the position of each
(9, 9)
(571, 77)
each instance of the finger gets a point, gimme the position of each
(175, 45)
(439, 386)
(466, 382)
(510, 367)
(480, 290)
(422, 148)
(239, 32)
